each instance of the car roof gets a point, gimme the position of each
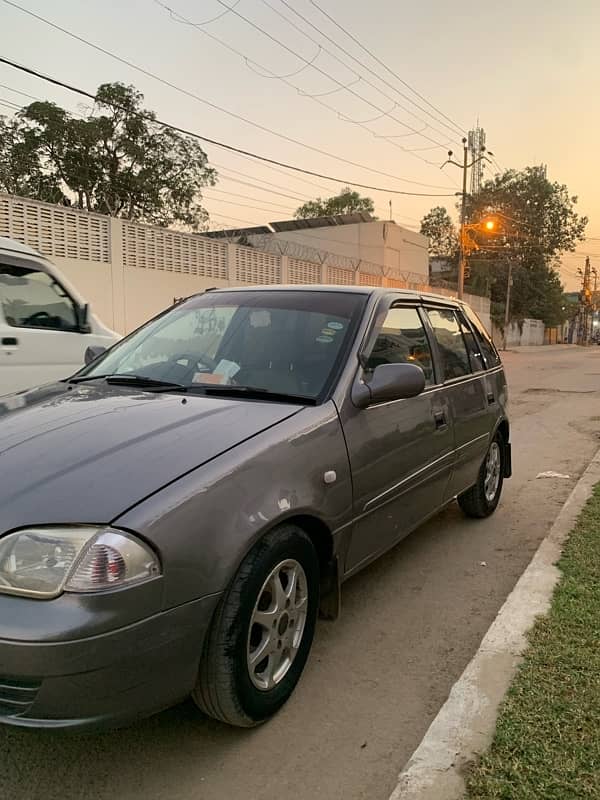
(409, 294)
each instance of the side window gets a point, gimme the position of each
(473, 346)
(489, 352)
(33, 299)
(402, 340)
(451, 345)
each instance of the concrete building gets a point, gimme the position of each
(355, 241)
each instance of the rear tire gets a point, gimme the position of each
(262, 631)
(482, 499)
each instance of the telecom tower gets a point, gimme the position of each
(476, 145)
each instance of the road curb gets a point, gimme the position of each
(464, 726)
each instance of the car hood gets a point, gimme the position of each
(87, 453)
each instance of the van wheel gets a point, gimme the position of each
(262, 631)
(481, 499)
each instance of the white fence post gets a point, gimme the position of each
(117, 276)
(285, 271)
(231, 278)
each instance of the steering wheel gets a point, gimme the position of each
(194, 360)
(39, 315)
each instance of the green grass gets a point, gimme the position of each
(547, 740)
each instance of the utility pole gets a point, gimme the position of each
(463, 209)
(509, 282)
(465, 166)
(586, 302)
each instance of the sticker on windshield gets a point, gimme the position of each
(336, 326)
(324, 339)
(327, 332)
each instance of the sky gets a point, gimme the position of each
(529, 70)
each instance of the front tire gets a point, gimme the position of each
(482, 499)
(262, 631)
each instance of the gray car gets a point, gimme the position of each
(175, 515)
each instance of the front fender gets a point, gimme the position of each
(204, 523)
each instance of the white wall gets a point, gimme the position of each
(130, 272)
(530, 332)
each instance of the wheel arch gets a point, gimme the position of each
(322, 538)
(503, 428)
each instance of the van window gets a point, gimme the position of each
(402, 340)
(31, 298)
(451, 344)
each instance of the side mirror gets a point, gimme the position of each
(83, 318)
(389, 382)
(92, 353)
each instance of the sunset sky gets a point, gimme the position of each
(529, 70)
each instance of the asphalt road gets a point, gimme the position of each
(378, 676)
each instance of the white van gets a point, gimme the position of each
(45, 326)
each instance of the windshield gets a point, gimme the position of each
(287, 343)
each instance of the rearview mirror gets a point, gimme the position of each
(92, 353)
(389, 382)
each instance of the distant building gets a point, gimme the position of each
(353, 239)
(441, 264)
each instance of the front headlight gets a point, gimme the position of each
(43, 562)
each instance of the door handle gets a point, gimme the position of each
(490, 398)
(440, 419)
(10, 341)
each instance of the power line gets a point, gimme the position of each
(176, 16)
(363, 66)
(242, 197)
(239, 150)
(188, 93)
(236, 219)
(254, 186)
(240, 205)
(301, 199)
(24, 94)
(318, 69)
(460, 128)
(11, 106)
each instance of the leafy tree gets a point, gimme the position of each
(116, 161)
(346, 202)
(21, 170)
(537, 220)
(437, 225)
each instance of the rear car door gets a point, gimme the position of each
(400, 452)
(464, 388)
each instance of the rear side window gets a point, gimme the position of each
(489, 352)
(451, 343)
(473, 346)
(402, 340)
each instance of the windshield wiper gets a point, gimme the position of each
(134, 380)
(256, 393)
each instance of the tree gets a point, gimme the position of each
(346, 202)
(437, 225)
(537, 220)
(116, 161)
(21, 171)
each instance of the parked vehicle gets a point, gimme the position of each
(176, 513)
(45, 326)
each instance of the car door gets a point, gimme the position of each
(464, 388)
(400, 452)
(40, 339)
